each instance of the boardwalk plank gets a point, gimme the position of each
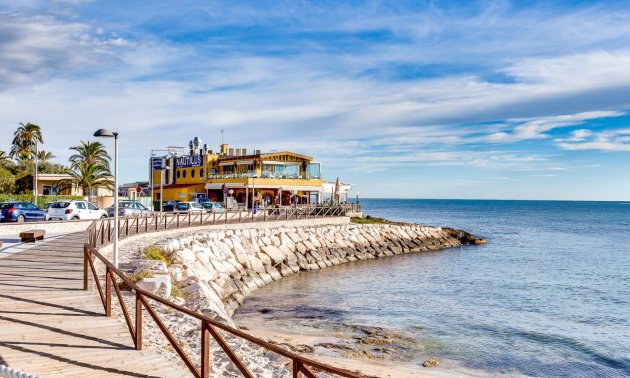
(50, 327)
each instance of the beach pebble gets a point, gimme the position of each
(431, 362)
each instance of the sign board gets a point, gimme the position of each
(157, 163)
(181, 195)
(188, 161)
(139, 189)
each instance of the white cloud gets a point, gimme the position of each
(536, 128)
(34, 48)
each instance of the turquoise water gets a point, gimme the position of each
(548, 296)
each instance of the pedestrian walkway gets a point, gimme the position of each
(50, 327)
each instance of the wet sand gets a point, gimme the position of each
(337, 352)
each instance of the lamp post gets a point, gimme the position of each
(164, 168)
(151, 180)
(105, 133)
(36, 164)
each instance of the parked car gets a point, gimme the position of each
(169, 206)
(74, 210)
(213, 207)
(189, 207)
(21, 212)
(129, 208)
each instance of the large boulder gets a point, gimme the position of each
(158, 285)
(274, 253)
(149, 265)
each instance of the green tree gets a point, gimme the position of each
(24, 140)
(7, 181)
(89, 168)
(5, 160)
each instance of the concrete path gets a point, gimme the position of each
(50, 327)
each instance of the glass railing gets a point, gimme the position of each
(265, 175)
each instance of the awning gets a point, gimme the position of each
(227, 185)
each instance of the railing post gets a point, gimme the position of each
(226, 215)
(138, 340)
(108, 292)
(189, 219)
(177, 220)
(86, 252)
(126, 226)
(205, 350)
(296, 369)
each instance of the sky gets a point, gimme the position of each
(404, 99)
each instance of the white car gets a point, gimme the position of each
(74, 210)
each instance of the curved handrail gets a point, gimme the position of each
(299, 364)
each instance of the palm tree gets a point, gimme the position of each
(24, 140)
(44, 156)
(89, 168)
(89, 153)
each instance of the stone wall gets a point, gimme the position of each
(214, 269)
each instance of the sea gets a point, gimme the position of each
(547, 296)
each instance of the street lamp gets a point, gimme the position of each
(36, 164)
(164, 168)
(104, 133)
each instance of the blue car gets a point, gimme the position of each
(21, 212)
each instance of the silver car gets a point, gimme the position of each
(188, 207)
(129, 208)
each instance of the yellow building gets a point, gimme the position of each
(234, 175)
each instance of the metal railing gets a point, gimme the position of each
(100, 233)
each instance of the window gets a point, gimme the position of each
(30, 206)
(80, 205)
(47, 190)
(201, 173)
(192, 173)
(184, 174)
(92, 207)
(178, 173)
(60, 205)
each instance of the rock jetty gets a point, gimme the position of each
(213, 271)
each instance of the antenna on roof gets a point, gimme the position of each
(222, 136)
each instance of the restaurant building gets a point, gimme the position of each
(236, 176)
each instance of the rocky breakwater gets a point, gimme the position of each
(213, 271)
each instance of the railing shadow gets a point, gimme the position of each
(101, 232)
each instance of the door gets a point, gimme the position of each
(82, 211)
(93, 211)
(34, 213)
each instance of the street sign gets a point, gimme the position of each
(139, 190)
(157, 163)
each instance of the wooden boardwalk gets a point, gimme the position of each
(50, 327)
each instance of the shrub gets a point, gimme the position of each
(141, 275)
(41, 200)
(374, 220)
(176, 292)
(155, 253)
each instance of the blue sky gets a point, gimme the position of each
(414, 99)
